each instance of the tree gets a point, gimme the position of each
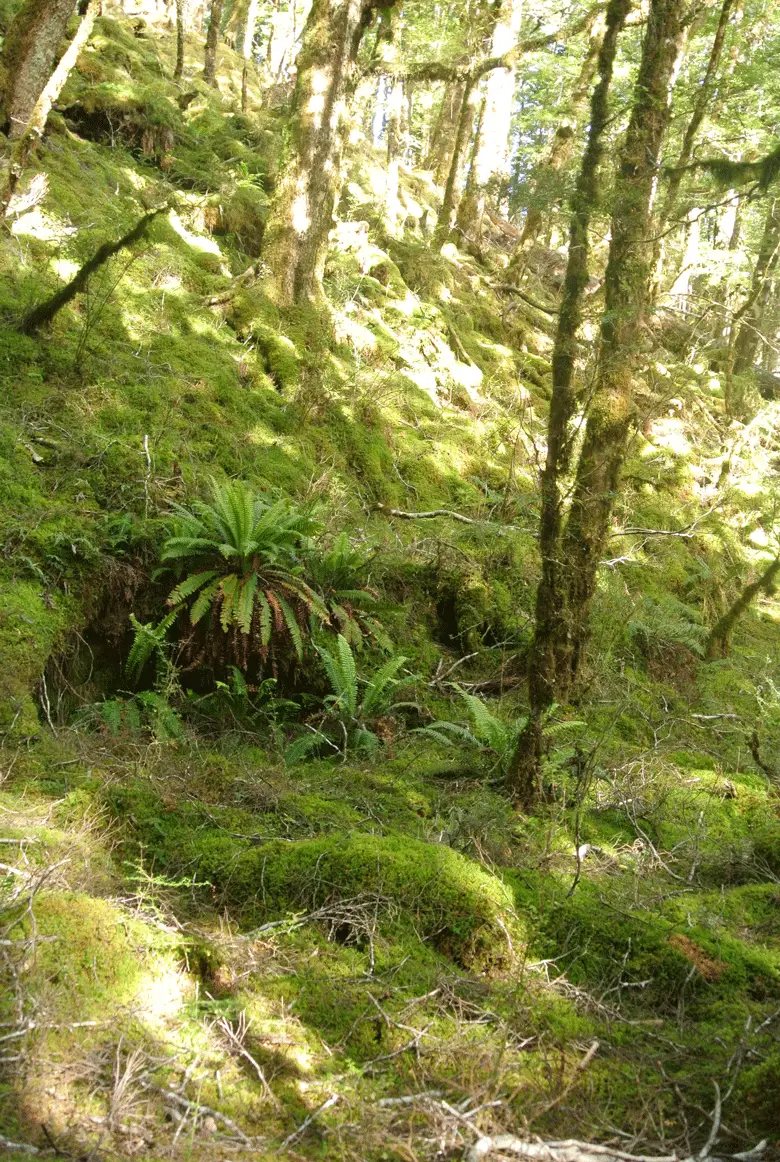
(29, 54)
(309, 181)
(700, 107)
(551, 614)
(563, 143)
(212, 41)
(561, 636)
(490, 157)
(26, 124)
(180, 40)
(247, 46)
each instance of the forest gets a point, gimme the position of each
(389, 566)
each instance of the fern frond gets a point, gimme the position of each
(376, 696)
(292, 626)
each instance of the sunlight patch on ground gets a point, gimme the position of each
(38, 224)
(196, 240)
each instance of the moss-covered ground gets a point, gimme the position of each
(206, 945)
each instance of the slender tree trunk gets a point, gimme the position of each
(439, 157)
(718, 641)
(395, 150)
(180, 41)
(490, 165)
(700, 107)
(29, 53)
(212, 41)
(627, 287)
(562, 146)
(39, 114)
(749, 316)
(550, 634)
(248, 45)
(450, 201)
(296, 238)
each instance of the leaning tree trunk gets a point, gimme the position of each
(248, 45)
(29, 53)
(212, 41)
(550, 634)
(180, 41)
(37, 117)
(296, 238)
(718, 640)
(627, 287)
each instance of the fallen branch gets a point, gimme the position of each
(574, 1151)
(288, 1141)
(448, 512)
(44, 313)
(532, 302)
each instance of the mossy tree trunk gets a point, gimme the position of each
(180, 40)
(301, 217)
(627, 286)
(29, 54)
(37, 117)
(718, 640)
(551, 632)
(212, 42)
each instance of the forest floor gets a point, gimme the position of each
(211, 953)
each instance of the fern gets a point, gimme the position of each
(149, 640)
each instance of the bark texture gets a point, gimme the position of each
(301, 216)
(627, 287)
(212, 41)
(550, 635)
(29, 54)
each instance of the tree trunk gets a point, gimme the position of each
(301, 217)
(551, 616)
(38, 115)
(749, 316)
(29, 52)
(627, 287)
(247, 46)
(449, 203)
(439, 157)
(180, 42)
(395, 150)
(718, 641)
(490, 165)
(212, 41)
(563, 142)
(701, 104)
